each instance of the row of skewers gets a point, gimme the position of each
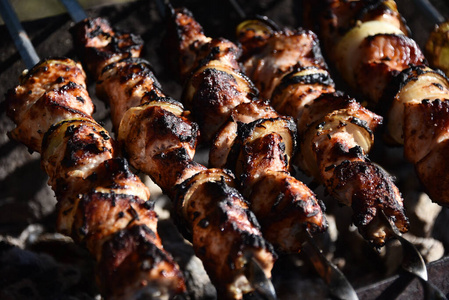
(253, 140)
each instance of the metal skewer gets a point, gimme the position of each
(336, 281)
(75, 10)
(413, 263)
(238, 9)
(256, 276)
(253, 271)
(162, 7)
(18, 34)
(429, 11)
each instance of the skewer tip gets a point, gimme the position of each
(257, 278)
(165, 8)
(339, 286)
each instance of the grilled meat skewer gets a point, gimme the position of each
(375, 55)
(101, 203)
(160, 141)
(247, 135)
(335, 132)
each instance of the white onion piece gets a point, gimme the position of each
(426, 86)
(346, 50)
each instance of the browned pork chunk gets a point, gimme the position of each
(335, 132)
(101, 203)
(247, 135)
(372, 51)
(160, 140)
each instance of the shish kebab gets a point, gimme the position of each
(160, 141)
(297, 84)
(379, 194)
(335, 153)
(260, 141)
(414, 265)
(293, 79)
(251, 139)
(101, 203)
(335, 131)
(376, 57)
(337, 282)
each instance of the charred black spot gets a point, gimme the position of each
(104, 135)
(204, 223)
(359, 122)
(70, 130)
(252, 218)
(70, 86)
(196, 214)
(356, 151)
(257, 242)
(320, 126)
(80, 99)
(438, 85)
(277, 201)
(316, 78)
(201, 251)
(330, 167)
(133, 213)
(148, 205)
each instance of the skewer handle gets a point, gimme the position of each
(18, 34)
(75, 10)
(431, 13)
(238, 9)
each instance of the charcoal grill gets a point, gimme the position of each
(26, 199)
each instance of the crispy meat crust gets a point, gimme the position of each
(125, 84)
(100, 201)
(278, 57)
(332, 19)
(211, 107)
(381, 57)
(223, 229)
(392, 72)
(335, 131)
(54, 88)
(249, 137)
(161, 141)
(100, 45)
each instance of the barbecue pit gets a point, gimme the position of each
(48, 264)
